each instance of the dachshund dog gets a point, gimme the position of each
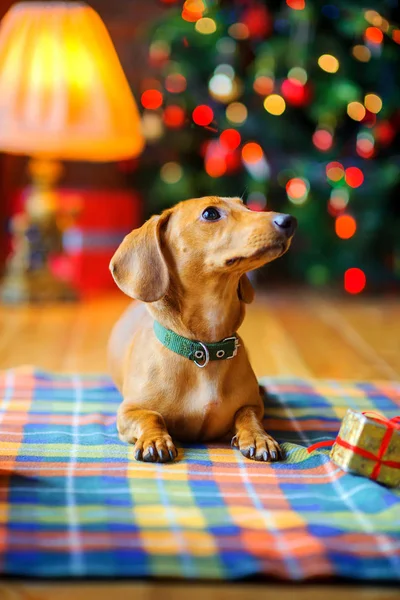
(175, 356)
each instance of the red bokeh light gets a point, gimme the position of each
(215, 166)
(202, 115)
(354, 281)
(233, 161)
(354, 177)
(373, 35)
(322, 140)
(296, 4)
(396, 36)
(152, 99)
(345, 227)
(384, 133)
(230, 139)
(293, 91)
(174, 116)
(252, 152)
(296, 188)
(175, 83)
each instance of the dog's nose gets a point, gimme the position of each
(286, 224)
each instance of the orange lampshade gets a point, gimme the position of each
(63, 93)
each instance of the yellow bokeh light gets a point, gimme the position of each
(328, 63)
(171, 172)
(356, 111)
(206, 26)
(274, 104)
(373, 18)
(361, 53)
(239, 31)
(236, 113)
(373, 103)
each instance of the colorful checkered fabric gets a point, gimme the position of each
(74, 503)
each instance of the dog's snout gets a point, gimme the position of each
(286, 224)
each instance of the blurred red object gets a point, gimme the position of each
(94, 223)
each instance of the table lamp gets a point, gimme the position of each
(63, 96)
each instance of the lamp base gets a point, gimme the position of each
(36, 236)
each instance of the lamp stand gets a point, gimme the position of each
(36, 235)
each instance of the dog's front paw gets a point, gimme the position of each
(155, 448)
(257, 445)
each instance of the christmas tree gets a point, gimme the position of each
(293, 105)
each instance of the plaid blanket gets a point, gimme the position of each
(74, 503)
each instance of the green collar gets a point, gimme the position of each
(195, 350)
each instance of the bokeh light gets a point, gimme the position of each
(373, 103)
(236, 112)
(296, 4)
(328, 63)
(297, 190)
(345, 226)
(239, 31)
(274, 104)
(159, 52)
(230, 139)
(174, 116)
(322, 139)
(396, 36)
(373, 35)
(335, 171)
(152, 99)
(220, 86)
(361, 53)
(299, 74)
(202, 115)
(215, 166)
(206, 26)
(338, 200)
(354, 280)
(365, 144)
(226, 46)
(356, 111)
(373, 17)
(252, 152)
(354, 177)
(193, 10)
(171, 172)
(263, 85)
(293, 91)
(152, 126)
(175, 83)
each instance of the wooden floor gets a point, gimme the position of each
(296, 334)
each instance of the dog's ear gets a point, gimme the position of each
(245, 290)
(138, 266)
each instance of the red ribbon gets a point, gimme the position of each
(391, 425)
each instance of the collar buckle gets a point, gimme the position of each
(235, 349)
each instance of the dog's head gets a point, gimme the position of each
(200, 239)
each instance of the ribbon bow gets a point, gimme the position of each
(391, 426)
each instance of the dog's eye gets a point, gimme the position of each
(211, 214)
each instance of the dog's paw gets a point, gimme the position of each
(155, 448)
(257, 446)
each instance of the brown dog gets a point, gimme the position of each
(188, 265)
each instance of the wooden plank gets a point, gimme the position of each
(321, 341)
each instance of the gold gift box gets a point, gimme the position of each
(363, 434)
